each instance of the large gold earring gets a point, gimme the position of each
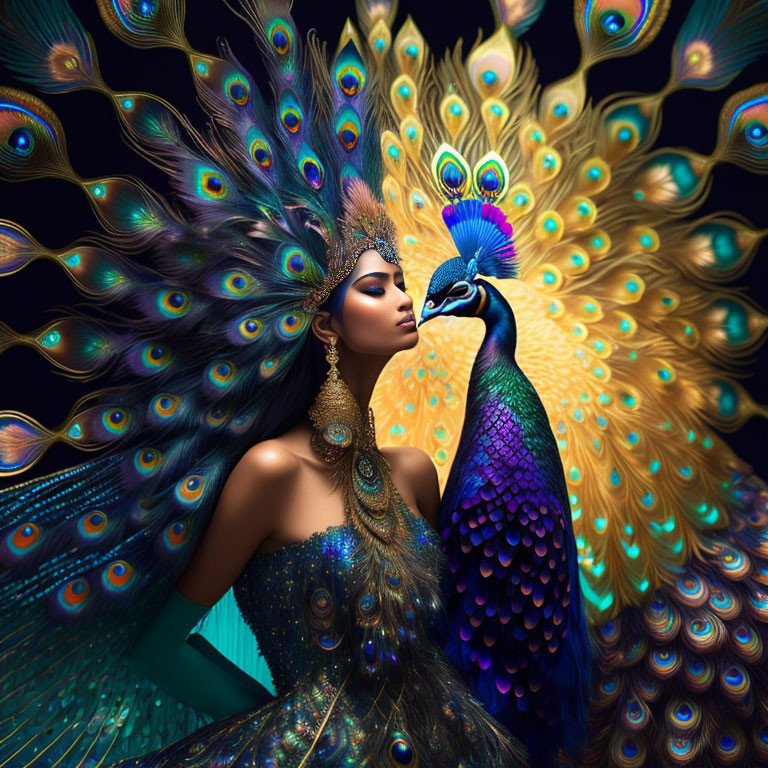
(335, 413)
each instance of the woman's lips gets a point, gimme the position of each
(409, 321)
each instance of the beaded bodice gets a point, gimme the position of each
(298, 599)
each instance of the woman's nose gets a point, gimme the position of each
(406, 302)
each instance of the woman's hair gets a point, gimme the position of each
(290, 399)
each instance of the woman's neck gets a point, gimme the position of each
(360, 373)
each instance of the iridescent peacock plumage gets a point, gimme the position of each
(626, 328)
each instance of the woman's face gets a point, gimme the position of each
(377, 314)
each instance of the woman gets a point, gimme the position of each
(335, 568)
(326, 539)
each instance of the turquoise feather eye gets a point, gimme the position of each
(351, 80)
(173, 303)
(190, 489)
(756, 133)
(237, 89)
(250, 328)
(750, 119)
(269, 367)
(291, 119)
(115, 420)
(290, 325)
(236, 284)
(92, 524)
(293, 261)
(165, 406)
(147, 460)
(176, 534)
(450, 172)
(348, 128)
(290, 113)
(211, 184)
(296, 263)
(261, 153)
(23, 538)
(311, 168)
(221, 373)
(117, 576)
(612, 22)
(21, 141)
(280, 37)
(491, 177)
(155, 357)
(349, 70)
(74, 595)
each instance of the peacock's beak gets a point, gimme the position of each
(428, 311)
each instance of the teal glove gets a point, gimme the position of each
(191, 669)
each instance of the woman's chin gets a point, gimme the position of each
(410, 340)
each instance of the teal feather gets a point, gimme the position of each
(725, 37)
(45, 44)
(518, 15)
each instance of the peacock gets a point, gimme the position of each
(626, 330)
(517, 624)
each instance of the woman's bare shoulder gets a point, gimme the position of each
(407, 456)
(412, 468)
(270, 460)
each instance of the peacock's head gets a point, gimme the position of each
(451, 292)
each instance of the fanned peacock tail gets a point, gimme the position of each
(197, 347)
(630, 335)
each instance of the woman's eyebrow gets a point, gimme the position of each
(383, 275)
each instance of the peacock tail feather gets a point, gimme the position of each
(196, 346)
(631, 337)
(625, 325)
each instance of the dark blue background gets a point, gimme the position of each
(57, 213)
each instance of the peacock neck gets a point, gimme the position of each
(500, 340)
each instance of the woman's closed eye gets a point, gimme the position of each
(378, 290)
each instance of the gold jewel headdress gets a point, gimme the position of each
(365, 226)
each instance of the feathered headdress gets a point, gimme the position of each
(365, 226)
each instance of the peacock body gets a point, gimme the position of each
(518, 628)
(627, 332)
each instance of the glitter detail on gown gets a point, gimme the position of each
(414, 711)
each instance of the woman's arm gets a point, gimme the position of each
(192, 670)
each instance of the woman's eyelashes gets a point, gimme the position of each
(379, 290)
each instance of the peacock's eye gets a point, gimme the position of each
(460, 290)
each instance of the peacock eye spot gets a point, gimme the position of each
(20, 140)
(756, 134)
(612, 22)
(214, 184)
